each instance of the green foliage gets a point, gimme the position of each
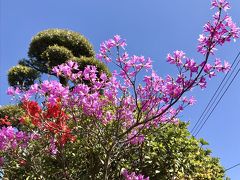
(172, 153)
(169, 152)
(14, 112)
(56, 55)
(22, 76)
(74, 44)
(53, 47)
(79, 160)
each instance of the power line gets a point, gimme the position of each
(217, 102)
(215, 96)
(232, 167)
(207, 109)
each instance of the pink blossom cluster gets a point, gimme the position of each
(133, 176)
(11, 91)
(222, 4)
(11, 139)
(135, 138)
(220, 30)
(190, 73)
(187, 64)
(106, 46)
(93, 102)
(49, 89)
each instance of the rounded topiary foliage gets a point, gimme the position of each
(56, 55)
(14, 112)
(22, 76)
(74, 42)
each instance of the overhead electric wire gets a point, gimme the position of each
(232, 167)
(214, 97)
(218, 102)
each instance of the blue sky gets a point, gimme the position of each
(152, 28)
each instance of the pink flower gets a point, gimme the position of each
(202, 83)
(136, 138)
(176, 58)
(13, 91)
(222, 68)
(103, 77)
(133, 176)
(226, 66)
(223, 4)
(56, 71)
(53, 147)
(170, 59)
(207, 68)
(218, 65)
(10, 138)
(72, 65)
(191, 65)
(117, 38)
(192, 101)
(179, 54)
(234, 30)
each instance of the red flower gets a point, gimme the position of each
(57, 123)
(61, 130)
(54, 119)
(4, 121)
(33, 110)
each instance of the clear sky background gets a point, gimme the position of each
(152, 28)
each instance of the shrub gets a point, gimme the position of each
(22, 76)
